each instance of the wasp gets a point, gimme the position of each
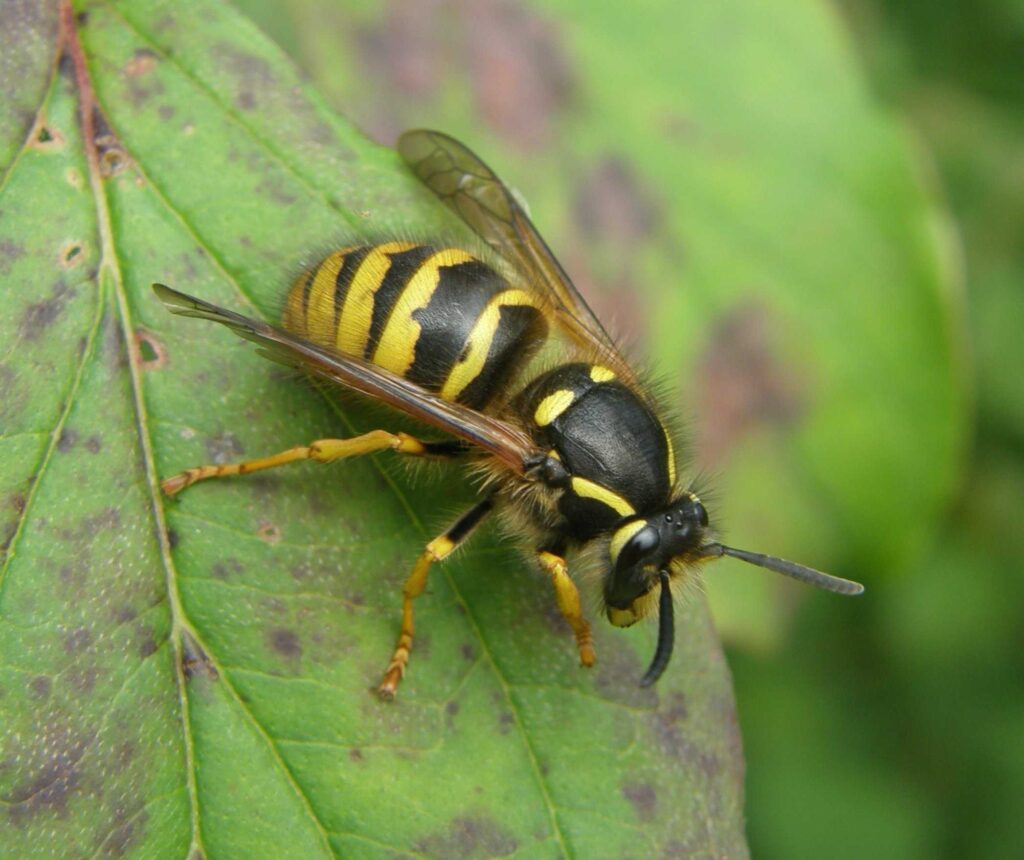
(576, 458)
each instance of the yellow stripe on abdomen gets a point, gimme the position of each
(472, 363)
(396, 349)
(319, 317)
(357, 313)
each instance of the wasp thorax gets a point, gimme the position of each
(640, 548)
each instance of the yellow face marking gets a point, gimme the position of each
(320, 304)
(552, 406)
(554, 455)
(622, 617)
(600, 373)
(469, 366)
(357, 313)
(622, 536)
(589, 490)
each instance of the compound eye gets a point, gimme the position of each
(702, 514)
(638, 547)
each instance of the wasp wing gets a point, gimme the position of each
(473, 191)
(499, 438)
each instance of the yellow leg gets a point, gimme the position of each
(569, 603)
(322, 451)
(437, 550)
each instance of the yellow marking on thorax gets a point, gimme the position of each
(396, 349)
(589, 490)
(600, 373)
(671, 457)
(357, 313)
(622, 536)
(552, 406)
(320, 304)
(479, 343)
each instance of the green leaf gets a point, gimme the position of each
(192, 679)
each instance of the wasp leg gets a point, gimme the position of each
(322, 451)
(568, 598)
(437, 550)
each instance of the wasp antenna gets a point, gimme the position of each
(666, 634)
(790, 568)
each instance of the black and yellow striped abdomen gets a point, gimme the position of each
(439, 317)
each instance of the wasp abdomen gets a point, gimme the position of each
(615, 449)
(440, 317)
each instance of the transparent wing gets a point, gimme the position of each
(504, 440)
(473, 191)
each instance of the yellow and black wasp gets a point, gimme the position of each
(574, 456)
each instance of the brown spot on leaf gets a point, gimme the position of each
(195, 662)
(94, 444)
(66, 65)
(40, 686)
(82, 679)
(142, 61)
(273, 186)
(675, 743)
(112, 156)
(470, 836)
(253, 75)
(129, 827)
(46, 138)
(39, 316)
(149, 351)
(10, 253)
(269, 532)
(506, 720)
(520, 73)
(67, 440)
(74, 178)
(89, 526)
(741, 383)
(72, 254)
(285, 642)
(227, 568)
(147, 645)
(643, 798)
(355, 754)
(52, 775)
(77, 640)
(224, 448)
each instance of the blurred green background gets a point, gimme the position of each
(889, 727)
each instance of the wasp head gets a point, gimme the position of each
(646, 551)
